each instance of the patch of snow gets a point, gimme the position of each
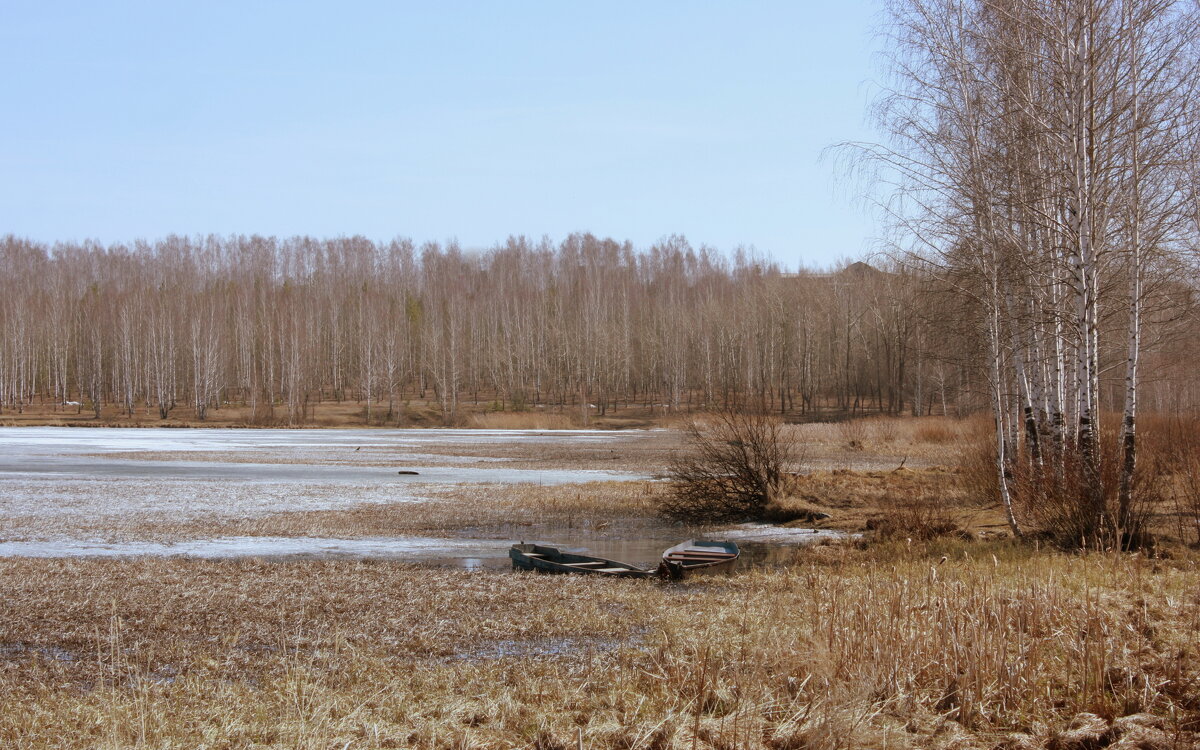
(73, 473)
(98, 467)
(143, 500)
(770, 533)
(396, 548)
(103, 439)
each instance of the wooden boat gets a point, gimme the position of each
(694, 555)
(553, 560)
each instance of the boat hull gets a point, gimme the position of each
(546, 559)
(700, 555)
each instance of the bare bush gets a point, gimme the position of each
(735, 465)
(917, 515)
(1055, 503)
(1061, 504)
(885, 429)
(853, 433)
(1185, 492)
(936, 430)
(1174, 443)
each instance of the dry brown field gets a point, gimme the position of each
(346, 413)
(932, 630)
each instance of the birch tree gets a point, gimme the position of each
(1034, 147)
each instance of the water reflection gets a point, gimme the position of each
(472, 553)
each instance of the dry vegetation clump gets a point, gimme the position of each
(521, 420)
(902, 503)
(1174, 443)
(884, 647)
(917, 440)
(884, 429)
(854, 433)
(1053, 503)
(918, 515)
(731, 469)
(938, 430)
(594, 505)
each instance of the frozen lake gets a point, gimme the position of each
(124, 492)
(759, 545)
(97, 453)
(56, 482)
(116, 439)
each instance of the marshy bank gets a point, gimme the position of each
(907, 638)
(898, 645)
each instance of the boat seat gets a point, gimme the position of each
(613, 570)
(583, 564)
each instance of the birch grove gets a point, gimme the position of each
(1041, 168)
(182, 328)
(588, 326)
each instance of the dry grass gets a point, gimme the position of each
(1173, 443)
(524, 420)
(448, 510)
(904, 503)
(639, 452)
(879, 648)
(854, 501)
(466, 507)
(343, 414)
(907, 643)
(919, 441)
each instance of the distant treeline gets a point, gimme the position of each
(280, 324)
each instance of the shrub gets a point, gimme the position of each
(494, 420)
(884, 429)
(853, 433)
(936, 430)
(1052, 500)
(917, 515)
(1174, 441)
(733, 468)
(1058, 502)
(976, 468)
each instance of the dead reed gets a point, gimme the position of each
(523, 420)
(920, 440)
(900, 645)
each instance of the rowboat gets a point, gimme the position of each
(553, 560)
(695, 555)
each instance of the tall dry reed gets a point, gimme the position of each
(892, 646)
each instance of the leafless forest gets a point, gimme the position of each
(1025, 577)
(284, 324)
(1044, 158)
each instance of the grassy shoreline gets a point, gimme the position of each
(914, 637)
(895, 645)
(339, 415)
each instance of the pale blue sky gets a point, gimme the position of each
(436, 120)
